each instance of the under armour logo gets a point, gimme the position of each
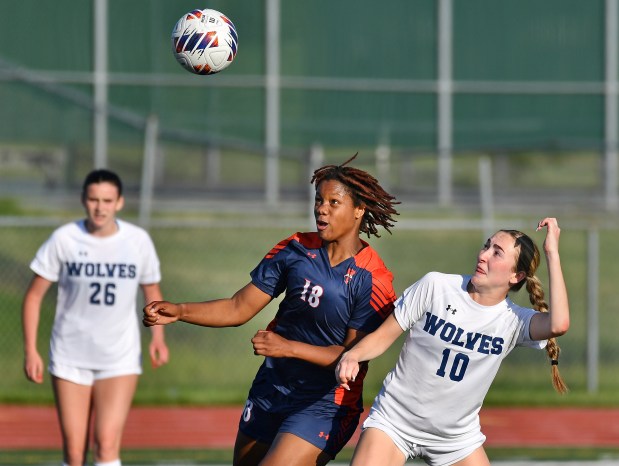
(349, 275)
(311, 255)
(449, 309)
(323, 435)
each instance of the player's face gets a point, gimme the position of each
(101, 201)
(496, 263)
(336, 216)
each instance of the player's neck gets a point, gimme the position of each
(100, 231)
(486, 296)
(339, 251)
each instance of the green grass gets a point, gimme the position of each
(215, 456)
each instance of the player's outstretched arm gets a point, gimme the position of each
(370, 347)
(229, 312)
(556, 321)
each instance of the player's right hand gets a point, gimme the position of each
(346, 370)
(160, 313)
(33, 367)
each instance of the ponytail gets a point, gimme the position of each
(536, 297)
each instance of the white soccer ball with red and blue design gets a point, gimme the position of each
(204, 41)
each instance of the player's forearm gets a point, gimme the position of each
(324, 356)
(558, 300)
(157, 333)
(30, 325)
(368, 348)
(217, 313)
(376, 343)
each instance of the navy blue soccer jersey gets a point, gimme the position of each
(320, 304)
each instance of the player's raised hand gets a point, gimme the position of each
(346, 370)
(551, 243)
(160, 313)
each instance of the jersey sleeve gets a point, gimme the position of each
(269, 275)
(415, 300)
(524, 337)
(47, 262)
(374, 302)
(151, 269)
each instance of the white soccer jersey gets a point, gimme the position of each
(96, 324)
(449, 359)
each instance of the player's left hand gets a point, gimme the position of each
(271, 344)
(346, 370)
(159, 353)
(551, 243)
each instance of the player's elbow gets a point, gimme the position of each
(560, 328)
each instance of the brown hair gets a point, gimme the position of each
(528, 262)
(102, 176)
(365, 191)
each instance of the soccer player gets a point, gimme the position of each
(337, 289)
(460, 329)
(94, 359)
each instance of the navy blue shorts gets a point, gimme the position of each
(322, 423)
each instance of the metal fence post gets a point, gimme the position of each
(151, 135)
(593, 326)
(316, 159)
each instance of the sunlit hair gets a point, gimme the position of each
(365, 191)
(102, 176)
(528, 262)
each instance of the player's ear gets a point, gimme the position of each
(359, 212)
(517, 278)
(120, 203)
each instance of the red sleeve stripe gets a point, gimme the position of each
(277, 248)
(382, 298)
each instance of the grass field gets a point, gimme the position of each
(214, 366)
(188, 457)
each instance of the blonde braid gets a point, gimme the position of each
(536, 297)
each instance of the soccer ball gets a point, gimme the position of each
(204, 41)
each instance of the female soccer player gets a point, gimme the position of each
(461, 328)
(94, 358)
(337, 290)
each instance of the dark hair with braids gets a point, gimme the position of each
(528, 262)
(102, 176)
(365, 191)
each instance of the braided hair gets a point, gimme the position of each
(365, 191)
(528, 261)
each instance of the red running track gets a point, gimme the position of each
(36, 427)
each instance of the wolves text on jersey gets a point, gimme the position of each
(90, 269)
(450, 333)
